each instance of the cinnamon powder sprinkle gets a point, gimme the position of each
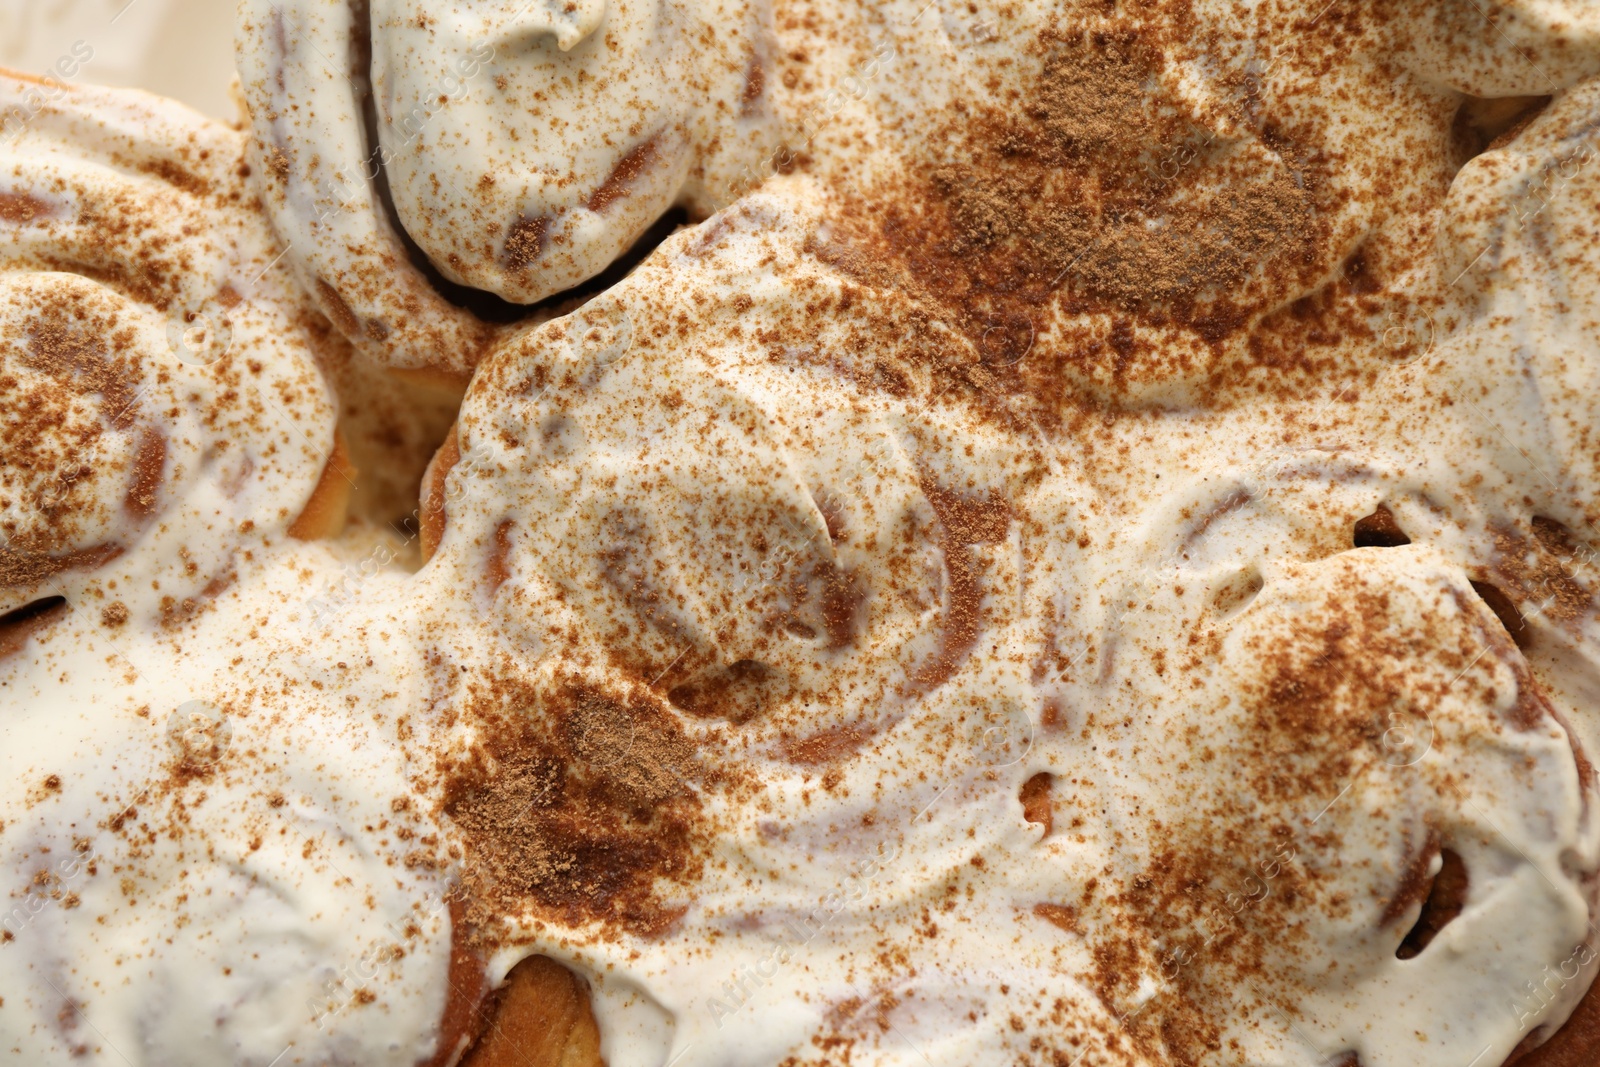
(623, 175)
(581, 807)
(1209, 247)
(20, 208)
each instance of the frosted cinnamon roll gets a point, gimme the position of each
(1311, 630)
(1518, 231)
(845, 567)
(518, 148)
(1011, 593)
(191, 800)
(725, 569)
(1356, 750)
(162, 406)
(1501, 403)
(1199, 209)
(1208, 214)
(1032, 673)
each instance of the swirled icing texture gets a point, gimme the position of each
(845, 644)
(522, 148)
(201, 849)
(891, 610)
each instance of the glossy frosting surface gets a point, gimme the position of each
(1078, 551)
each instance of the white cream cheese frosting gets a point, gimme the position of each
(1262, 741)
(580, 129)
(522, 148)
(201, 865)
(880, 629)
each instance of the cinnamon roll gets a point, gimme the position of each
(513, 150)
(1078, 550)
(158, 374)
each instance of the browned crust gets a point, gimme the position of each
(148, 465)
(1576, 1044)
(443, 379)
(1446, 899)
(22, 76)
(1035, 798)
(466, 1003)
(628, 170)
(324, 514)
(1499, 121)
(1379, 530)
(433, 479)
(541, 1018)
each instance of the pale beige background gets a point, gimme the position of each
(178, 48)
